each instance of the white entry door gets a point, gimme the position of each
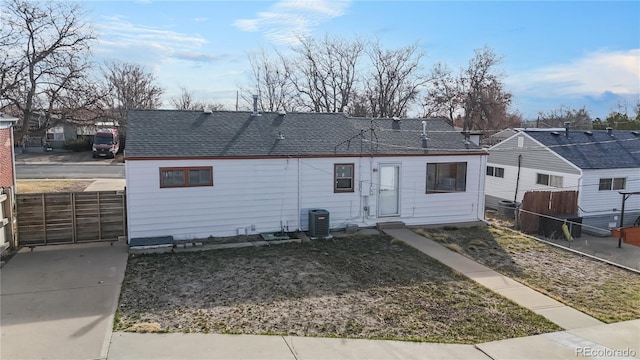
(389, 191)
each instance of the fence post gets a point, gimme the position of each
(99, 217)
(72, 201)
(44, 219)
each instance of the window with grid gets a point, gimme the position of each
(186, 177)
(550, 180)
(495, 171)
(612, 184)
(343, 177)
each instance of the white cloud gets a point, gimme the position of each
(595, 74)
(125, 40)
(200, 19)
(287, 20)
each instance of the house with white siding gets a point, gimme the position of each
(599, 164)
(195, 174)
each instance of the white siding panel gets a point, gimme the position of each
(596, 202)
(261, 195)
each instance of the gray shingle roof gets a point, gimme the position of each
(597, 150)
(180, 133)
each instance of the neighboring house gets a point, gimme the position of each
(194, 174)
(599, 164)
(58, 135)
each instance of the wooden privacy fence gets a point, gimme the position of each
(62, 218)
(546, 203)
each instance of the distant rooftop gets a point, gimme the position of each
(594, 149)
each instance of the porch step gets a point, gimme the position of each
(390, 225)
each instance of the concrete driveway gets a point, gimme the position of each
(57, 302)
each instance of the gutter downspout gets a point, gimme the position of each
(482, 184)
(298, 187)
(515, 196)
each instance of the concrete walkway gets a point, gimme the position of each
(107, 185)
(565, 316)
(613, 341)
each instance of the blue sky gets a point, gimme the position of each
(571, 53)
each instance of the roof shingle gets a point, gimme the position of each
(594, 149)
(183, 133)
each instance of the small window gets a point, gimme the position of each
(186, 177)
(555, 181)
(619, 183)
(446, 177)
(495, 171)
(550, 180)
(343, 177)
(543, 179)
(612, 184)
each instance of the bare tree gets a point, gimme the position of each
(577, 118)
(476, 94)
(186, 101)
(482, 89)
(443, 96)
(272, 82)
(130, 86)
(393, 84)
(324, 73)
(44, 48)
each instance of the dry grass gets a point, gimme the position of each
(51, 186)
(356, 287)
(603, 291)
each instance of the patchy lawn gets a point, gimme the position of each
(603, 291)
(357, 287)
(51, 186)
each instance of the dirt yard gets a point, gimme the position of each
(603, 291)
(51, 186)
(357, 287)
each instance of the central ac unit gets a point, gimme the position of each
(318, 223)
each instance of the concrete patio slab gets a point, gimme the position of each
(57, 302)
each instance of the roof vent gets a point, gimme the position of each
(588, 133)
(255, 106)
(280, 136)
(282, 113)
(636, 133)
(207, 111)
(395, 124)
(610, 131)
(566, 128)
(555, 133)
